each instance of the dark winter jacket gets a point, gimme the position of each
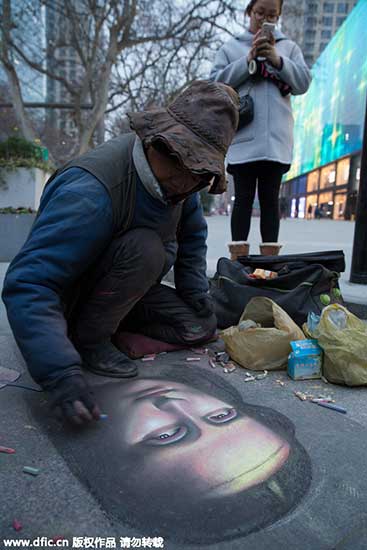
(77, 220)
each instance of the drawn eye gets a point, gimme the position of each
(166, 436)
(223, 415)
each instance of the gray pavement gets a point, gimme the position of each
(60, 501)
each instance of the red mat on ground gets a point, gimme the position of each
(137, 345)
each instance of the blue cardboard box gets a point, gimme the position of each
(305, 361)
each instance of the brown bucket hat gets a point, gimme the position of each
(197, 128)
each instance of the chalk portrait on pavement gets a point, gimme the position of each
(181, 455)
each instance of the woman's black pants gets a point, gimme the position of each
(267, 175)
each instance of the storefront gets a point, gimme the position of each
(329, 119)
(329, 192)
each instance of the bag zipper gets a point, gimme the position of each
(270, 288)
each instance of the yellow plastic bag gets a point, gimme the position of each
(343, 337)
(267, 347)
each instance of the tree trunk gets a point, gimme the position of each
(14, 86)
(97, 113)
(19, 111)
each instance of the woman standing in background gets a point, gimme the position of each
(261, 151)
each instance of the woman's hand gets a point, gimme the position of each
(265, 48)
(252, 53)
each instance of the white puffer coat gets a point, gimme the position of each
(270, 135)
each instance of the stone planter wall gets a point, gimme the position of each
(14, 230)
(22, 187)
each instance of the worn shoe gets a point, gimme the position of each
(270, 249)
(106, 360)
(238, 248)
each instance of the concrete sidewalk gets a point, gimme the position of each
(297, 236)
(59, 502)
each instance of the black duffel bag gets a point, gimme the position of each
(302, 279)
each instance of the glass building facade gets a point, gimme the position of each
(329, 122)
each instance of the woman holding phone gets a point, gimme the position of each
(261, 151)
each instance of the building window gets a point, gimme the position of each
(294, 188)
(325, 34)
(326, 205)
(310, 35)
(328, 176)
(311, 205)
(340, 202)
(328, 21)
(343, 7)
(309, 46)
(343, 172)
(312, 8)
(340, 20)
(322, 46)
(328, 7)
(313, 181)
(312, 21)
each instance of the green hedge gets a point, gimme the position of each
(17, 152)
(19, 210)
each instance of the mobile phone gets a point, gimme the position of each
(268, 30)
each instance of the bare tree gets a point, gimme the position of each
(115, 55)
(7, 61)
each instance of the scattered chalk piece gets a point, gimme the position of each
(31, 471)
(7, 450)
(17, 525)
(193, 358)
(333, 407)
(149, 357)
(230, 367)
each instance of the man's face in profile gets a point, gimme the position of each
(181, 433)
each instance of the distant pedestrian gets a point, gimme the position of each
(309, 212)
(261, 151)
(317, 213)
(283, 207)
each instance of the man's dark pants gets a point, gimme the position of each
(123, 291)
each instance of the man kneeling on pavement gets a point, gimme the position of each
(111, 224)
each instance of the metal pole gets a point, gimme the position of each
(359, 259)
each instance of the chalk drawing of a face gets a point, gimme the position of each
(186, 458)
(184, 433)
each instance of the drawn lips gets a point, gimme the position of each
(268, 466)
